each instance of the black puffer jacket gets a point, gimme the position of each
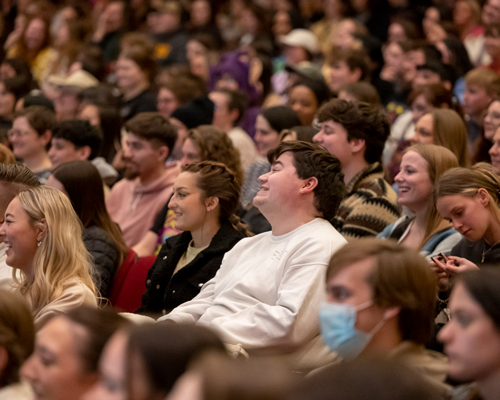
(164, 292)
(106, 257)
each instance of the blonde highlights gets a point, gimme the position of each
(439, 160)
(467, 181)
(61, 254)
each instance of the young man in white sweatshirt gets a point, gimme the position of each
(268, 291)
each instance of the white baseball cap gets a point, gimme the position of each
(303, 38)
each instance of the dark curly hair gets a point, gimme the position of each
(361, 121)
(215, 145)
(311, 160)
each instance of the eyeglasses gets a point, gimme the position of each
(11, 133)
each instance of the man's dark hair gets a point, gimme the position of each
(236, 101)
(18, 174)
(154, 128)
(361, 121)
(40, 118)
(355, 59)
(81, 134)
(310, 160)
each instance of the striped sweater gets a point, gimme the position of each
(369, 206)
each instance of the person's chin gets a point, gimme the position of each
(130, 174)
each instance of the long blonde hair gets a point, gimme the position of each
(467, 181)
(439, 159)
(61, 255)
(450, 132)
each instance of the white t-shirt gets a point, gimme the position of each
(268, 290)
(6, 280)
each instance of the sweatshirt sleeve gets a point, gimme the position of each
(191, 311)
(292, 321)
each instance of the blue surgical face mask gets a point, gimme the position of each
(338, 331)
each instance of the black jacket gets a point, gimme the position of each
(164, 292)
(106, 257)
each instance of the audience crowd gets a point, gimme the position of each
(250, 199)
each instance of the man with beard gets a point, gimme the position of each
(135, 201)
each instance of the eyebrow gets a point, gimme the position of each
(277, 162)
(8, 215)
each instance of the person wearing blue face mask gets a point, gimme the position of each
(381, 301)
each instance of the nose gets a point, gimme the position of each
(494, 150)
(318, 138)
(27, 370)
(398, 177)
(457, 225)
(2, 227)
(263, 178)
(445, 333)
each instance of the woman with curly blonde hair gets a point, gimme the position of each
(52, 268)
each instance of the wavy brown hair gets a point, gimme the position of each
(216, 146)
(217, 180)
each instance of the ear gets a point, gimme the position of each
(234, 114)
(162, 153)
(391, 312)
(4, 359)
(46, 137)
(43, 229)
(357, 145)
(355, 75)
(484, 197)
(255, 71)
(447, 85)
(84, 153)
(211, 203)
(309, 185)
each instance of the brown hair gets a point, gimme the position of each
(225, 378)
(83, 184)
(482, 77)
(185, 86)
(40, 118)
(100, 325)
(17, 335)
(437, 95)
(450, 131)
(363, 92)
(400, 278)
(311, 160)
(6, 155)
(216, 180)
(154, 128)
(355, 59)
(439, 159)
(467, 181)
(143, 58)
(361, 121)
(215, 145)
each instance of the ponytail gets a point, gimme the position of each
(240, 226)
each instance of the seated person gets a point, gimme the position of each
(469, 197)
(355, 133)
(206, 195)
(17, 342)
(268, 288)
(135, 201)
(472, 337)
(445, 128)
(78, 140)
(145, 361)
(13, 179)
(30, 137)
(44, 244)
(426, 231)
(73, 343)
(380, 301)
(205, 143)
(230, 107)
(80, 181)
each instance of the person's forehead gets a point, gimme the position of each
(353, 273)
